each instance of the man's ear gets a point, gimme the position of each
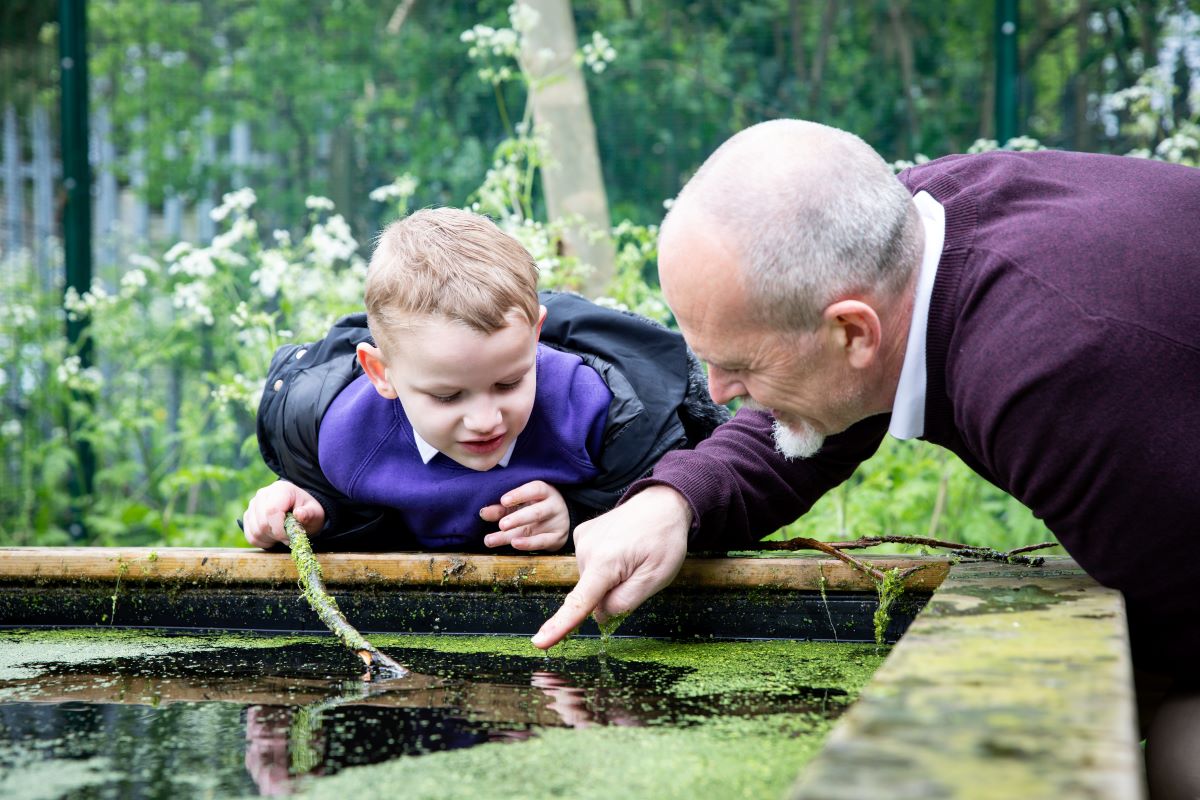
(537, 334)
(373, 364)
(856, 331)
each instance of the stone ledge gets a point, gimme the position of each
(1013, 682)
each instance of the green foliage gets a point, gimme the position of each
(345, 95)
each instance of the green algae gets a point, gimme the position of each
(889, 590)
(724, 758)
(24, 652)
(713, 667)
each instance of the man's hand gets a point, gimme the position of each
(624, 557)
(263, 519)
(531, 517)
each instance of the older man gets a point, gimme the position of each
(1038, 314)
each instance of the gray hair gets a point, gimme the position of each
(813, 214)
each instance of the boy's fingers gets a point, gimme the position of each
(529, 515)
(502, 538)
(538, 541)
(310, 514)
(528, 493)
(580, 602)
(492, 513)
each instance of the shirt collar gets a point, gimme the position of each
(908, 409)
(428, 451)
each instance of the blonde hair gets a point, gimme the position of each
(449, 263)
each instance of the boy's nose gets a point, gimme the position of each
(483, 418)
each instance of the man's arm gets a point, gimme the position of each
(733, 489)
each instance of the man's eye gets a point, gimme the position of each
(446, 398)
(508, 387)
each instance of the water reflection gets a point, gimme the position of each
(163, 725)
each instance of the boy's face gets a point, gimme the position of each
(467, 393)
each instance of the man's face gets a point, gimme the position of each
(798, 377)
(466, 393)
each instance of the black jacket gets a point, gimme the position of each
(660, 403)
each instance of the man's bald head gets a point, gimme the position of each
(812, 213)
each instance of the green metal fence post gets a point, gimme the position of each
(1007, 69)
(76, 193)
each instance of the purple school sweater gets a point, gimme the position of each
(1063, 365)
(367, 451)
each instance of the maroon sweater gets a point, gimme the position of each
(1063, 365)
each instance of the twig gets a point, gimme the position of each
(956, 548)
(801, 543)
(326, 607)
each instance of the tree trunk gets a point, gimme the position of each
(573, 183)
(904, 50)
(1082, 36)
(820, 52)
(796, 18)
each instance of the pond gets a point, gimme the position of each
(148, 714)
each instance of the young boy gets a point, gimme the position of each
(464, 408)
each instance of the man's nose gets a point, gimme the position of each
(722, 387)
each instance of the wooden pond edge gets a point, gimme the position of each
(245, 566)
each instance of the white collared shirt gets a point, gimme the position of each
(428, 451)
(908, 409)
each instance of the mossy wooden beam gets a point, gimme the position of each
(1012, 682)
(245, 566)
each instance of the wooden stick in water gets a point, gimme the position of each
(326, 607)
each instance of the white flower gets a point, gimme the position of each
(144, 263)
(983, 146)
(222, 244)
(599, 52)
(317, 203)
(176, 251)
(131, 281)
(522, 17)
(196, 264)
(271, 273)
(192, 297)
(281, 237)
(73, 375)
(239, 201)
(332, 242)
(11, 429)
(1023, 144)
(22, 315)
(403, 187)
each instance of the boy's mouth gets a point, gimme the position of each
(483, 446)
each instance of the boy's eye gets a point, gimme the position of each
(446, 398)
(508, 387)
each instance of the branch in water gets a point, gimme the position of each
(326, 607)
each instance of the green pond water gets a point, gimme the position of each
(134, 714)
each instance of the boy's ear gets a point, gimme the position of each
(373, 364)
(541, 321)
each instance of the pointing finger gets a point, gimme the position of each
(580, 601)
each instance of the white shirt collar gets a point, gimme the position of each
(428, 451)
(908, 409)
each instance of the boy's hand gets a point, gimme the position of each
(531, 517)
(263, 519)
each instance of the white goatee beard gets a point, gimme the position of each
(793, 444)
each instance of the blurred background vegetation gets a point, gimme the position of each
(342, 114)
